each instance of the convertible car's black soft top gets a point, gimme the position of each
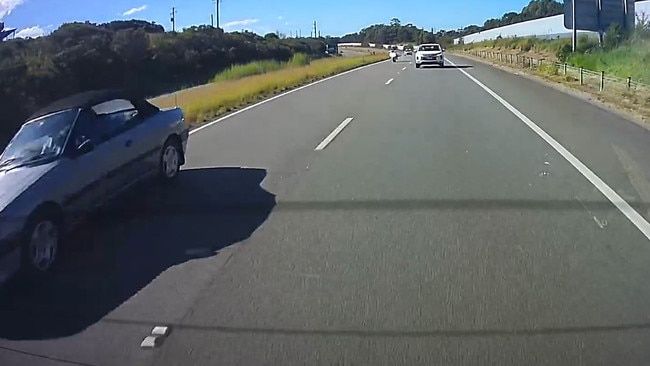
(89, 99)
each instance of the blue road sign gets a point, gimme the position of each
(586, 14)
(598, 15)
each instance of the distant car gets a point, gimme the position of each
(73, 156)
(430, 53)
(408, 53)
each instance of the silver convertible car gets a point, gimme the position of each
(72, 157)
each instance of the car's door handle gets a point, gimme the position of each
(128, 143)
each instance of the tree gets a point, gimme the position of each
(82, 56)
(395, 22)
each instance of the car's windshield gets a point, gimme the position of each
(42, 137)
(430, 48)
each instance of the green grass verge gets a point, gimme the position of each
(630, 59)
(523, 44)
(206, 102)
(260, 67)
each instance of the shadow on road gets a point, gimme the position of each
(126, 246)
(446, 67)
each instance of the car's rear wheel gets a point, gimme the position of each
(170, 160)
(41, 243)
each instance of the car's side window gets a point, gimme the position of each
(114, 117)
(84, 129)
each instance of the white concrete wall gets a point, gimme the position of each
(551, 27)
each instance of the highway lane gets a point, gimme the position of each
(436, 228)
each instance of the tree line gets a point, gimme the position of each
(133, 54)
(395, 32)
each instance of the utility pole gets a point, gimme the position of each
(212, 20)
(216, 5)
(315, 33)
(173, 19)
(574, 31)
(600, 22)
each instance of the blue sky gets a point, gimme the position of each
(334, 17)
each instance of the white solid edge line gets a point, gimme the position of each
(608, 192)
(333, 134)
(389, 81)
(280, 96)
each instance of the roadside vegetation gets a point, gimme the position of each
(260, 67)
(623, 55)
(396, 32)
(133, 54)
(229, 93)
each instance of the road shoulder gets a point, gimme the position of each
(585, 96)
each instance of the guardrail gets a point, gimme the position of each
(589, 78)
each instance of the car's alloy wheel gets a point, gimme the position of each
(43, 245)
(170, 161)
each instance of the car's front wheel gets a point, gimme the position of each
(417, 65)
(170, 160)
(41, 243)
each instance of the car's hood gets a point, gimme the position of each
(14, 181)
(429, 53)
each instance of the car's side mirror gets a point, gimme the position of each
(85, 147)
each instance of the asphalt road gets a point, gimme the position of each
(445, 224)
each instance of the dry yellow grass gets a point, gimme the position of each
(206, 102)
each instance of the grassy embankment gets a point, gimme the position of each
(245, 84)
(628, 59)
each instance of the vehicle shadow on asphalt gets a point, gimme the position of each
(126, 246)
(447, 67)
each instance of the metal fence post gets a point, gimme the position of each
(530, 62)
(565, 69)
(581, 77)
(602, 80)
(629, 82)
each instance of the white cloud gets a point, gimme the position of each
(6, 6)
(132, 11)
(286, 23)
(240, 23)
(31, 32)
(280, 17)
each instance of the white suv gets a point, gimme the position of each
(430, 53)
